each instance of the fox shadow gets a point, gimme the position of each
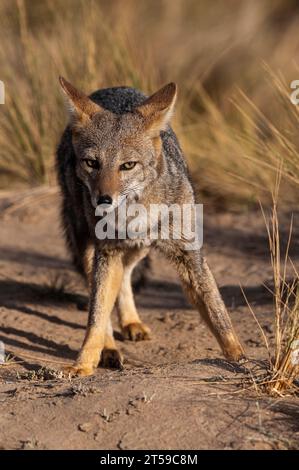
(169, 295)
(156, 295)
(29, 298)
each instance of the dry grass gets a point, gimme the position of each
(285, 366)
(234, 116)
(282, 372)
(232, 139)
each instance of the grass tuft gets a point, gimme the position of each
(232, 139)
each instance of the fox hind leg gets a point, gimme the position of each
(130, 322)
(111, 357)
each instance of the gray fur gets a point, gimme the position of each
(109, 130)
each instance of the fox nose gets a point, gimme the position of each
(106, 199)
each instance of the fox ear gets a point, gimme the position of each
(81, 108)
(157, 110)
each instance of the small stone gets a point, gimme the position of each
(85, 427)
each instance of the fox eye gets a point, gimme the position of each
(127, 166)
(92, 163)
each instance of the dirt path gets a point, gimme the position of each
(176, 390)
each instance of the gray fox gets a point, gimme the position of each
(119, 143)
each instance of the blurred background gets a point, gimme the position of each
(233, 60)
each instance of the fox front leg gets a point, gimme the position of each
(106, 280)
(201, 288)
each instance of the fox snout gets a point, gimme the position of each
(105, 199)
(105, 190)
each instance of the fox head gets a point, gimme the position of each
(118, 156)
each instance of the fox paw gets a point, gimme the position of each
(235, 354)
(78, 370)
(136, 332)
(242, 359)
(112, 359)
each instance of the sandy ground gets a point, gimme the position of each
(176, 390)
